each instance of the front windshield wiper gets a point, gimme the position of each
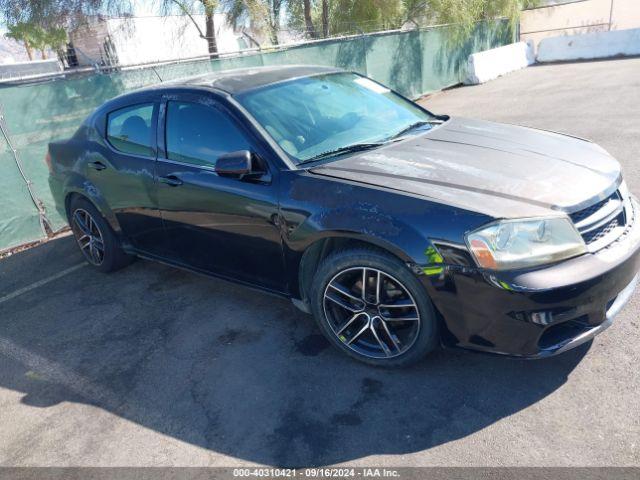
(413, 126)
(356, 147)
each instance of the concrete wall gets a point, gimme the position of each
(490, 64)
(626, 14)
(580, 16)
(28, 69)
(137, 40)
(88, 41)
(156, 39)
(589, 46)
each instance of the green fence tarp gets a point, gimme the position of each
(19, 217)
(413, 63)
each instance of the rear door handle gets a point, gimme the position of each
(97, 165)
(171, 180)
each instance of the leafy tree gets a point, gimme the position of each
(301, 17)
(264, 14)
(466, 13)
(319, 18)
(351, 16)
(47, 13)
(315, 18)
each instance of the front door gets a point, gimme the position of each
(222, 225)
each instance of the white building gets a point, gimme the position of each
(136, 40)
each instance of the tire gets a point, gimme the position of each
(372, 331)
(95, 238)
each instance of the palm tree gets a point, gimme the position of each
(56, 38)
(325, 18)
(39, 41)
(23, 32)
(310, 29)
(210, 7)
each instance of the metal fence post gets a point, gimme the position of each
(45, 225)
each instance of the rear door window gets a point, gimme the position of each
(129, 129)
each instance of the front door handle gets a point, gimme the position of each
(97, 165)
(171, 180)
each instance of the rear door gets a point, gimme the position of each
(227, 226)
(122, 170)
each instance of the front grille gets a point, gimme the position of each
(601, 232)
(603, 222)
(587, 212)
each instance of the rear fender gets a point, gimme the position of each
(75, 184)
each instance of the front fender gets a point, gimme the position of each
(315, 207)
(400, 239)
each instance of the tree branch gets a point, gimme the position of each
(184, 9)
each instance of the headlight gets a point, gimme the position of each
(510, 244)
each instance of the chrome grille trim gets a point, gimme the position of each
(610, 210)
(603, 222)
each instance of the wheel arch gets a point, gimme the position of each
(324, 246)
(320, 248)
(96, 201)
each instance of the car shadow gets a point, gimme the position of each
(240, 372)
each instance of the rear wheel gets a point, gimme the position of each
(373, 308)
(97, 242)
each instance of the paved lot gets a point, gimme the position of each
(155, 366)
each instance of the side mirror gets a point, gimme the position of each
(243, 165)
(234, 164)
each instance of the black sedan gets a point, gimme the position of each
(400, 230)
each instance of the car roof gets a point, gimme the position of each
(233, 82)
(240, 80)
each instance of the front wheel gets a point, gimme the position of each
(373, 308)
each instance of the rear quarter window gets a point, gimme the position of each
(129, 129)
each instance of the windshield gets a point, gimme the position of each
(311, 116)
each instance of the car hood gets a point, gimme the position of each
(496, 169)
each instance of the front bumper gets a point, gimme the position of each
(590, 332)
(540, 313)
